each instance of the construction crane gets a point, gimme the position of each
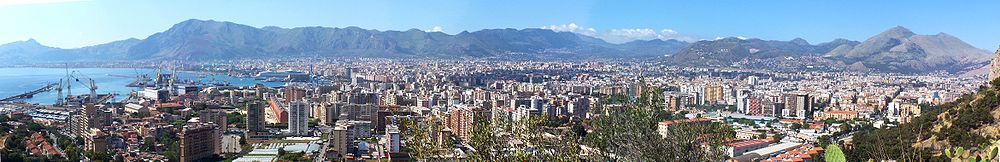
(59, 97)
(157, 81)
(64, 84)
(173, 77)
(77, 75)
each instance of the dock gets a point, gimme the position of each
(139, 82)
(30, 94)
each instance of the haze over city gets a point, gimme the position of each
(592, 80)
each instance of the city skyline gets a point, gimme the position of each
(72, 24)
(452, 80)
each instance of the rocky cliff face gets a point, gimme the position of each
(995, 65)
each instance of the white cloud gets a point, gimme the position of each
(435, 29)
(572, 27)
(24, 2)
(626, 35)
(623, 35)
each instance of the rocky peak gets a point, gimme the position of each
(800, 41)
(898, 32)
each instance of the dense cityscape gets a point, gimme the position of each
(401, 110)
(513, 80)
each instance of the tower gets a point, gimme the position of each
(255, 120)
(298, 117)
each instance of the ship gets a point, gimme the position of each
(287, 76)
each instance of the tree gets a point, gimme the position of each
(418, 139)
(795, 126)
(100, 156)
(237, 119)
(79, 141)
(483, 141)
(173, 151)
(631, 135)
(72, 153)
(148, 145)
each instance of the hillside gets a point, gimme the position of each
(967, 122)
(727, 51)
(14, 51)
(899, 49)
(208, 39)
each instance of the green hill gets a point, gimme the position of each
(968, 122)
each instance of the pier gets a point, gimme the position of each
(30, 94)
(139, 82)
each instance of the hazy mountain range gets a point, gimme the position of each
(895, 50)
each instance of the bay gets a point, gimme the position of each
(15, 81)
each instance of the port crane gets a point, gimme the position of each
(86, 82)
(64, 84)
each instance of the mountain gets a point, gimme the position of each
(727, 51)
(199, 39)
(23, 50)
(207, 39)
(895, 50)
(653, 47)
(116, 50)
(900, 50)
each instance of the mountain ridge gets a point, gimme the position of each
(185, 40)
(899, 49)
(895, 50)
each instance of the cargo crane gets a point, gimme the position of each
(59, 97)
(170, 83)
(64, 84)
(90, 84)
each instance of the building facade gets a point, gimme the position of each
(298, 118)
(198, 141)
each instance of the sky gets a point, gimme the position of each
(79, 23)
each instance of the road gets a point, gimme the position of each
(56, 145)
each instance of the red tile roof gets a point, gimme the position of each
(747, 143)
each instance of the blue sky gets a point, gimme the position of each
(70, 23)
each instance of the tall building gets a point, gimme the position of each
(85, 119)
(579, 107)
(460, 121)
(392, 132)
(198, 141)
(362, 112)
(216, 116)
(340, 137)
(675, 101)
(804, 105)
(298, 117)
(754, 105)
(743, 101)
(95, 140)
(752, 80)
(219, 118)
(255, 120)
(798, 105)
(293, 93)
(331, 113)
(714, 93)
(363, 98)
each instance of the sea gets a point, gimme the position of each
(14, 81)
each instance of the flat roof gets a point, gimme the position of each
(775, 148)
